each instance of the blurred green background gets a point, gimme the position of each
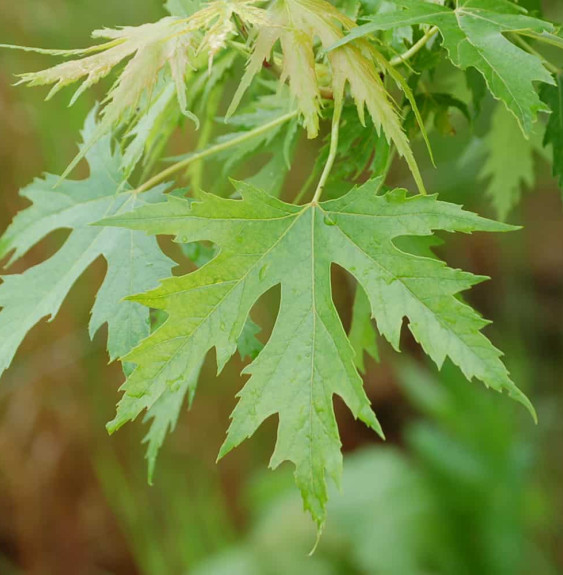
(465, 484)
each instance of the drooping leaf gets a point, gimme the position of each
(134, 261)
(509, 161)
(295, 24)
(164, 414)
(476, 34)
(553, 97)
(149, 48)
(149, 129)
(308, 359)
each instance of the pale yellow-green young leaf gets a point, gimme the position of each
(298, 65)
(367, 89)
(297, 24)
(172, 46)
(143, 42)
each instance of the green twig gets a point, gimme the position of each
(217, 148)
(415, 48)
(195, 170)
(332, 152)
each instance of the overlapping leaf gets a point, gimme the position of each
(134, 261)
(308, 359)
(509, 161)
(170, 50)
(477, 34)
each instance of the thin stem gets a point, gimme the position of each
(306, 187)
(415, 48)
(332, 152)
(217, 148)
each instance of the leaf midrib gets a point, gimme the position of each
(189, 337)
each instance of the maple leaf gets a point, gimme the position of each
(553, 97)
(509, 161)
(475, 36)
(135, 262)
(149, 48)
(264, 242)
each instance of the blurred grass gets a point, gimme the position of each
(463, 502)
(470, 486)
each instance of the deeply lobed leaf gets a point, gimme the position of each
(134, 261)
(308, 359)
(169, 49)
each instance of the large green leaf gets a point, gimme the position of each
(308, 359)
(477, 35)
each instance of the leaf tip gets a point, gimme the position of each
(320, 528)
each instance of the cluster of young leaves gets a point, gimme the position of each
(305, 59)
(172, 49)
